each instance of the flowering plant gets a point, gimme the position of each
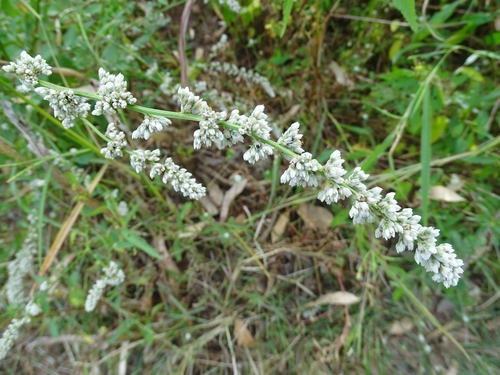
(224, 130)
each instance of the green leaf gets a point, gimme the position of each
(139, 242)
(9, 9)
(407, 9)
(287, 10)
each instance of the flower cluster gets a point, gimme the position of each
(370, 204)
(113, 92)
(191, 103)
(116, 142)
(67, 106)
(138, 158)
(302, 171)
(113, 276)
(291, 139)
(255, 125)
(22, 264)
(248, 75)
(151, 124)
(11, 334)
(233, 5)
(179, 178)
(28, 68)
(209, 130)
(214, 50)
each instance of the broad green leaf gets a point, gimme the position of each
(396, 46)
(9, 9)
(439, 125)
(139, 242)
(471, 73)
(407, 9)
(287, 10)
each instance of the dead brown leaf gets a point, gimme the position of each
(280, 226)
(209, 205)
(340, 76)
(400, 327)
(229, 197)
(315, 217)
(216, 194)
(444, 194)
(192, 230)
(335, 298)
(243, 336)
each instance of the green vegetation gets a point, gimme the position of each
(410, 92)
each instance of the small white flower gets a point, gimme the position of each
(388, 206)
(249, 76)
(333, 193)
(190, 103)
(257, 151)
(356, 178)
(32, 309)
(122, 208)
(94, 295)
(10, 335)
(181, 180)
(214, 50)
(112, 276)
(426, 243)
(67, 107)
(116, 142)
(156, 170)
(151, 124)
(333, 168)
(291, 139)
(209, 130)
(360, 212)
(138, 158)
(113, 92)
(231, 137)
(410, 227)
(255, 124)
(302, 171)
(200, 86)
(28, 68)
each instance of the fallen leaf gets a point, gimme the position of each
(280, 227)
(192, 230)
(216, 194)
(198, 53)
(230, 195)
(340, 76)
(243, 336)
(400, 327)
(493, 324)
(166, 259)
(315, 217)
(444, 194)
(209, 205)
(335, 298)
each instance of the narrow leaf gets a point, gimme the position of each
(407, 8)
(139, 242)
(287, 11)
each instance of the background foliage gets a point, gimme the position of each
(417, 109)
